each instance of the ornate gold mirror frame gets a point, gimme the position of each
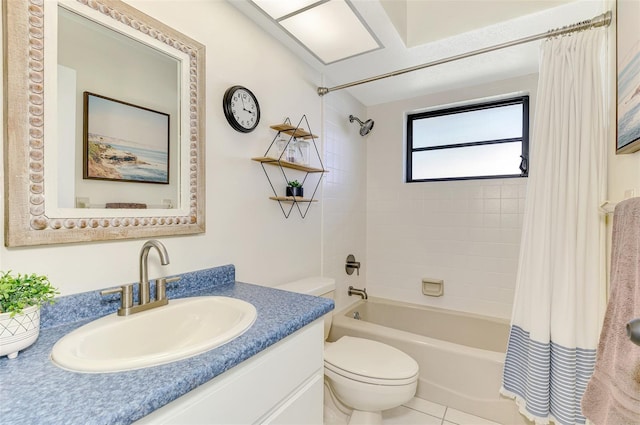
(27, 207)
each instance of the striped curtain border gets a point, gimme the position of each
(546, 379)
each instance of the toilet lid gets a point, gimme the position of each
(369, 358)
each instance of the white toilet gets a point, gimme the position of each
(364, 375)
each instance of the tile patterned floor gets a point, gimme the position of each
(422, 412)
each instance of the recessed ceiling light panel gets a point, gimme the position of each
(332, 31)
(279, 8)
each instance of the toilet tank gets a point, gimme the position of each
(318, 286)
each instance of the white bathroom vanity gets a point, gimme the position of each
(281, 385)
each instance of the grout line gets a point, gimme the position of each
(424, 413)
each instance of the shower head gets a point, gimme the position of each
(365, 127)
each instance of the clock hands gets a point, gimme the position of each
(244, 108)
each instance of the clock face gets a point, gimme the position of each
(241, 109)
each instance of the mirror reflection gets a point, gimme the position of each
(118, 119)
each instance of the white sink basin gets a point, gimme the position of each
(183, 328)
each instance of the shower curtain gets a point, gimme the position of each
(560, 289)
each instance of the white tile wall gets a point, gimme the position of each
(464, 232)
(344, 194)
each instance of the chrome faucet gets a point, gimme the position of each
(144, 302)
(144, 264)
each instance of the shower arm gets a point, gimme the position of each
(365, 127)
(352, 119)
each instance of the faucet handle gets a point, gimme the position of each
(126, 297)
(352, 264)
(161, 286)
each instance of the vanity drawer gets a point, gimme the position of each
(302, 407)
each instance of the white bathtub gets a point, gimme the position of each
(461, 355)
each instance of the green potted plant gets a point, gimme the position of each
(295, 188)
(21, 297)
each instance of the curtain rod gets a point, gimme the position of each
(602, 20)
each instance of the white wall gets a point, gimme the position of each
(344, 203)
(244, 227)
(623, 177)
(465, 232)
(624, 170)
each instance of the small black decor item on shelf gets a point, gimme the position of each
(295, 189)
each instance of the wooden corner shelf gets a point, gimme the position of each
(288, 203)
(292, 199)
(293, 131)
(287, 164)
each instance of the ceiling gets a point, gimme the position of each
(413, 32)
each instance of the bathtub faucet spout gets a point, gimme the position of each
(356, 291)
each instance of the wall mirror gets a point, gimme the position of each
(104, 124)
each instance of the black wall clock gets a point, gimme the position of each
(241, 109)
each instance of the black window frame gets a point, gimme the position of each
(524, 164)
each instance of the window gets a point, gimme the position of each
(480, 141)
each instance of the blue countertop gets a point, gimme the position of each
(35, 391)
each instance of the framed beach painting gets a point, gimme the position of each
(628, 72)
(124, 142)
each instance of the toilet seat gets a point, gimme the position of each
(370, 362)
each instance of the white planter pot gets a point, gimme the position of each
(18, 332)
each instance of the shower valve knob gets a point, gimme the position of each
(352, 265)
